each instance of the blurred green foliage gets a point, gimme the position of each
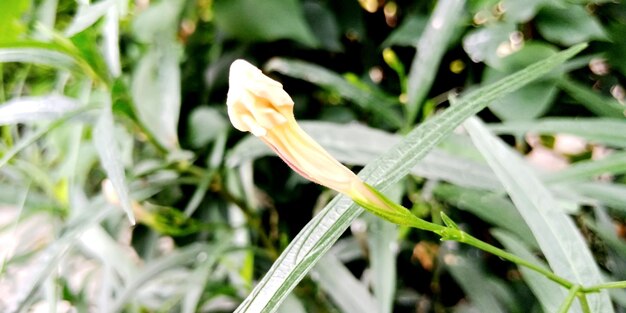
(114, 110)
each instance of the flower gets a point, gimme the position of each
(260, 105)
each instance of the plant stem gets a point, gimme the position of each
(582, 298)
(569, 299)
(611, 285)
(402, 216)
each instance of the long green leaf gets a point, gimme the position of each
(181, 257)
(469, 275)
(37, 56)
(350, 294)
(610, 131)
(325, 228)
(87, 15)
(612, 195)
(33, 137)
(156, 93)
(108, 151)
(430, 49)
(602, 106)
(614, 164)
(381, 240)
(559, 239)
(50, 257)
(371, 100)
(30, 109)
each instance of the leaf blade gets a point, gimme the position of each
(559, 239)
(108, 152)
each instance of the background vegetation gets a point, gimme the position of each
(114, 111)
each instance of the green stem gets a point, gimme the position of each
(611, 285)
(463, 237)
(582, 298)
(569, 299)
(400, 215)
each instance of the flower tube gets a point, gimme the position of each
(259, 105)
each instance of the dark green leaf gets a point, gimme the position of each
(569, 25)
(530, 101)
(268, 20)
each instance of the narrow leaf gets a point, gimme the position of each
(107, 148)
(37, 56)
(350, 295)
(614, 163)
(87, 15)
(560, 241)
(156, 93)
(371, 100)
(430, 49)
(30, 109)
(469, 275)
(602, 106)
(600, 130)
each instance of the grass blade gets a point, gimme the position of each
(325, 228)
(179, 258)
(108, 152)
(609, 131)
(559, 239)
(382, 242)
(614, 163)
(30, 109)
(37, 56)
(156, 93)
(350, 295)
(612, 195)
(88, 15)
(371, 100)
(430, 49)
(602, 106)
(469, 275)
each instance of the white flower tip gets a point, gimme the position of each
(241, 69)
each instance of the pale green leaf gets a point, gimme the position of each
(32, 109)
(431, 47)
(612, 164)
(596, 103)
(156, 93)
(382, 243)
(108, 151)
(350, 294)
(37, 56)
(598, 130)
(372, 100)
(87, 15)
(160, 266)
(469, 275)
(561, 242)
